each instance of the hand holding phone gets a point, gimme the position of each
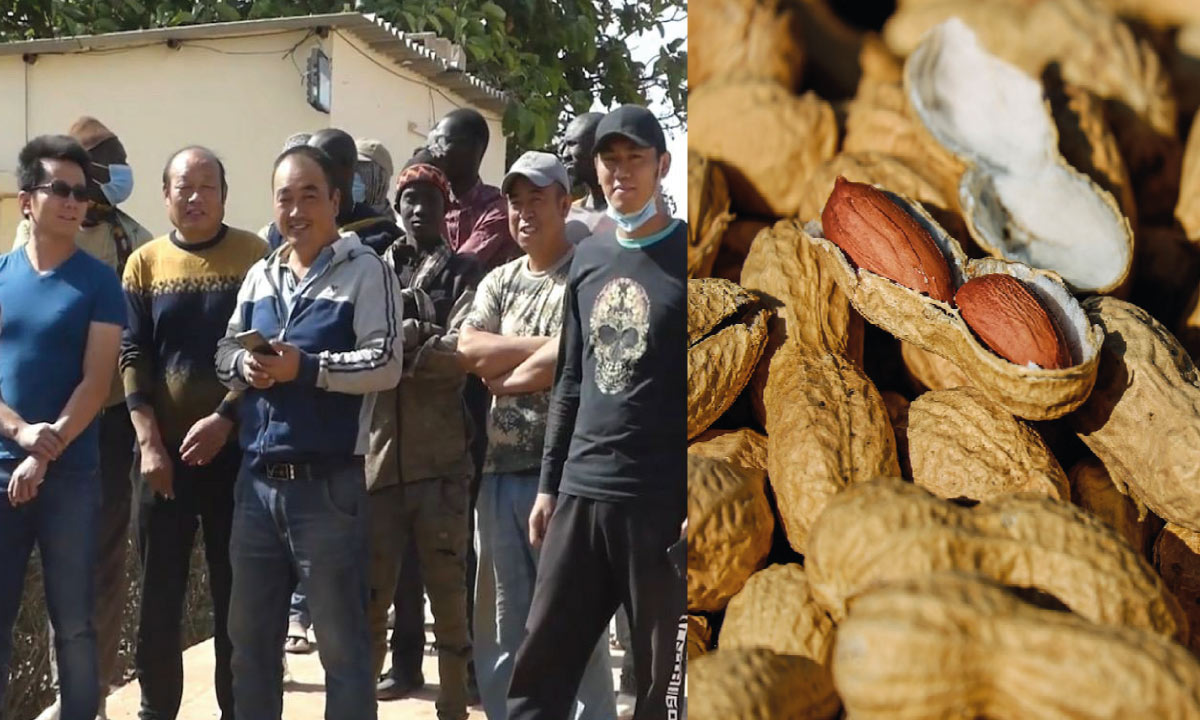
(253, 341)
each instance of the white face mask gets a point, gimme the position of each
(632, 221)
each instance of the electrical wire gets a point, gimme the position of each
(432, 88)
(182, 43)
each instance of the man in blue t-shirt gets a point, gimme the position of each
(61, 316)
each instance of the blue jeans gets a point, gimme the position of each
(312, 528)
(62, 520)
(504, 504)
(299, 611)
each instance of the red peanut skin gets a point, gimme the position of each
(881, 237)
(1011, 321)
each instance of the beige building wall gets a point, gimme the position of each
(240, 96)
(375, 97)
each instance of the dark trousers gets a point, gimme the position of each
(166, 532)
(408, 632)
(596, 556)
(117, 442)
(478, 401)
(61, 521)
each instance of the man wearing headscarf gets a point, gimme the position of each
(110, 235)
(373, 175)
(418, 465)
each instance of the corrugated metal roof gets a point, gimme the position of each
(378, 34)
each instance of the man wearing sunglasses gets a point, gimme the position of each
(62, 313)
(111, 236)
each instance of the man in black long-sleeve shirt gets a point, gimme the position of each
(612, 496)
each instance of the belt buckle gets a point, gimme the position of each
(281, 471)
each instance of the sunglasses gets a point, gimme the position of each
(62, 189)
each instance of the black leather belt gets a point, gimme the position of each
(288, 472)
(285, 471)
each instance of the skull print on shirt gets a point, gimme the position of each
(619, 324)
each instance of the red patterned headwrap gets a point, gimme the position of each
(423, 173)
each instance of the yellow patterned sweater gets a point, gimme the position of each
(180, 298)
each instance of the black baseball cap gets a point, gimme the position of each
(633, 122)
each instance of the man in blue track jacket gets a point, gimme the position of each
(330, 308)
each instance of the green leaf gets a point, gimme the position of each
(434, 23)
(227, 13)
(493, 12)
(541, 132)
(446, 13)
(410, 20)
(524, 122)
(480, 50)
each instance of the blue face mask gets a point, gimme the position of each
(631, 222)
(120, 184)
(359, 189)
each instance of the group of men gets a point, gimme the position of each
(386, 376)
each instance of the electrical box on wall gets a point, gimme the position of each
(318, 80)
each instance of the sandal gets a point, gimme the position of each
(297, 641)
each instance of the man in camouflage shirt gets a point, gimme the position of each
(510, 340)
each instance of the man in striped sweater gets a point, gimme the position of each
(330, 307)
(180, 290)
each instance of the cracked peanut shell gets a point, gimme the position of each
(727, 332)
(1027, 392)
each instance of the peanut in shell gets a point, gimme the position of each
(1143, 417)
(963, 445)
(729, 530)
(774, 610)
(827, 429)
(952, 645)
(759, 685)
(888, 531)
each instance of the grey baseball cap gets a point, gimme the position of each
(539, 168)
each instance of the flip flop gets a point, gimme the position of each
(297, 641)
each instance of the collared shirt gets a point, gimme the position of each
(477, 224)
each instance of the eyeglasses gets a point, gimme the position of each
(63, 190)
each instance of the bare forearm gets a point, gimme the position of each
(145, 425)
(488, 355)
(534, 374)
(11, 422)
(82, 407)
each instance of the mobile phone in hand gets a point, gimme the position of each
(253, 341)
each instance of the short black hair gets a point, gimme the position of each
(473, 122)
(31, 172)
(317, 155)
(203, 150)
(422, 156)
